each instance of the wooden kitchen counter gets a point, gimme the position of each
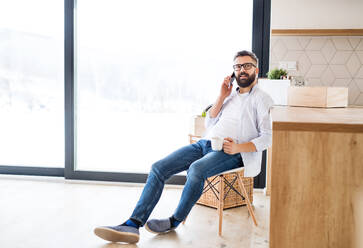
(316, 167)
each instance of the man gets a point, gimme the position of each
(241, 117)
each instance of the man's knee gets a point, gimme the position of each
(157, 169)
(195, 172)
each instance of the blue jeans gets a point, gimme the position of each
(200, 161)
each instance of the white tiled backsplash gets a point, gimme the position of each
(323, 61)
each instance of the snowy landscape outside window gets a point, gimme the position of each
(32, 83)
(144, 68)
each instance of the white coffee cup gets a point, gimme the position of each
(217, 143)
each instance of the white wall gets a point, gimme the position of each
(316, 14)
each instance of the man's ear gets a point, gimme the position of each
(257, 71)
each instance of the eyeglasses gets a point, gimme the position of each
(246, 66)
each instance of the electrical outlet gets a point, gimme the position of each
(288, 65)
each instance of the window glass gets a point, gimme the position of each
(144, 68)
(31, 83)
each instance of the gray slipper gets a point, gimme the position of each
(159, 226)
(127, 234)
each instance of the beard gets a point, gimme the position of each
(245, 82)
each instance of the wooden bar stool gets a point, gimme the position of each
(223, 185)
(222, 188)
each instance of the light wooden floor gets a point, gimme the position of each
(39, 212)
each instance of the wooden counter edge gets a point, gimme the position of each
(322, 127)
(317, 32)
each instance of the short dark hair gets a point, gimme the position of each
(247, 53)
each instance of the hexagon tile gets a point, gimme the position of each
(324, 61)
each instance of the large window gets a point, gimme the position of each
(99, 90)
(31, 83)
(144, 68)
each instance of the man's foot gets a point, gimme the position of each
(159, 226)
(121, 233)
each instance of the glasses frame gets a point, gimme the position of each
(246, 66)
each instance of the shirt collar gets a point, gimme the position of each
(251, 90)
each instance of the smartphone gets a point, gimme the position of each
(232, 79)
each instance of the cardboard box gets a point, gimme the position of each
(323, 97)
(197, 126)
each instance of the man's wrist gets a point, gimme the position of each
(247, 147)
(220, 99)
(241, 147)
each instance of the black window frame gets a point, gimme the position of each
(260, 46)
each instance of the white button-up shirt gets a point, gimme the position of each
(255, 125)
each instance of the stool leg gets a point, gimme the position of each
(243, 189)
(220, 205)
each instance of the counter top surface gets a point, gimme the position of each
(348, 119)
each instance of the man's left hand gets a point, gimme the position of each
(230, 147)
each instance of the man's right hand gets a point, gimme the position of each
(225, 88)
(225, 92)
